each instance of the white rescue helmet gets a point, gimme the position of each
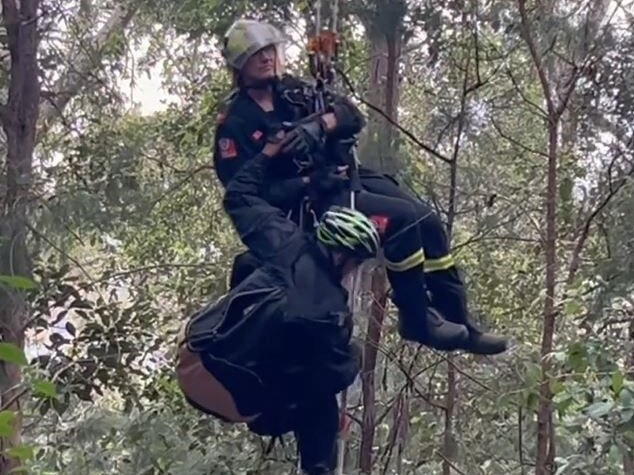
(244, 38)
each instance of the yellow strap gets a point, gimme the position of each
(442, 263)
(416, 259)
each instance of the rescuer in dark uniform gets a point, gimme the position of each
(414, 240)
(275, 351)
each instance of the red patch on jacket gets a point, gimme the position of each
(380, 222)
(227, 148)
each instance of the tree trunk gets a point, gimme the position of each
(379, 144)
(19, 119)
(449, 443)
(372, 341)
(545, 429)
(628, 456)
(544, 463)
(379, 152)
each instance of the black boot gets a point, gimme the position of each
(432, 330)
(449, 296)
(417, 321)
(319, 470)
(485, 343)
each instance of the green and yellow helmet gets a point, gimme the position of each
(245, 38)
(350, 231)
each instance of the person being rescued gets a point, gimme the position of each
(426, 287)
(276, 349)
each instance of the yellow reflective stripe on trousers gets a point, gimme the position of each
(413, 260)
(442, 263)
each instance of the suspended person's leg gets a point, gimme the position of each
(316, 429)
(405, 257)
(448, 291)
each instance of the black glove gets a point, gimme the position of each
(327, 179)
(304, 138)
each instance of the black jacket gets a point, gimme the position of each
(284, 332)
(243, 128)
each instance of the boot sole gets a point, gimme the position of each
(453, 346)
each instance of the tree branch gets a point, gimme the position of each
(576, 255)
(510, 139)
(74, 79)
(406, 132)
(541, 72)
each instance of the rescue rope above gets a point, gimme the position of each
(323, 55)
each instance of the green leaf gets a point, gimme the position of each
(627, 415)
(6, 423)
(564, 404)
(45, 388)
(532, 400)
(12, 353)
(22, 452)
(572, 307)
(18, 282)
(577, 357)
(626, 399)
(617, 382)
(600, 409)
(557, 386)
(565, 189)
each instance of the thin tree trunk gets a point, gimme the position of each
(628, 456)
(379, 152)
(19, 119)
(379, 141)
(544, 463)
(372, 341)
(449, 443)
(545, 442)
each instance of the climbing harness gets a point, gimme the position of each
(323, 49)
(323, 54)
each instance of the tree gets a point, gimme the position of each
(125, 234)
(557, 95)
(19, 120)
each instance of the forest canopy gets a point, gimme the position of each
(514, 119)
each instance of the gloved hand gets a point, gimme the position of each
(328, 179)
(273, 144)
(304, 138)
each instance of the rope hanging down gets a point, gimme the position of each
(323, 54)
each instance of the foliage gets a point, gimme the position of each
(128, 236)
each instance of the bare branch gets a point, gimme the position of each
(539, 109)
(74, 79)
(576, 254)
(406, 132)
(516, 142)
(541, 72)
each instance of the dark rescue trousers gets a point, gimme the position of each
(315, 424)
(448, 293)
(316, 432)
(402, 245)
